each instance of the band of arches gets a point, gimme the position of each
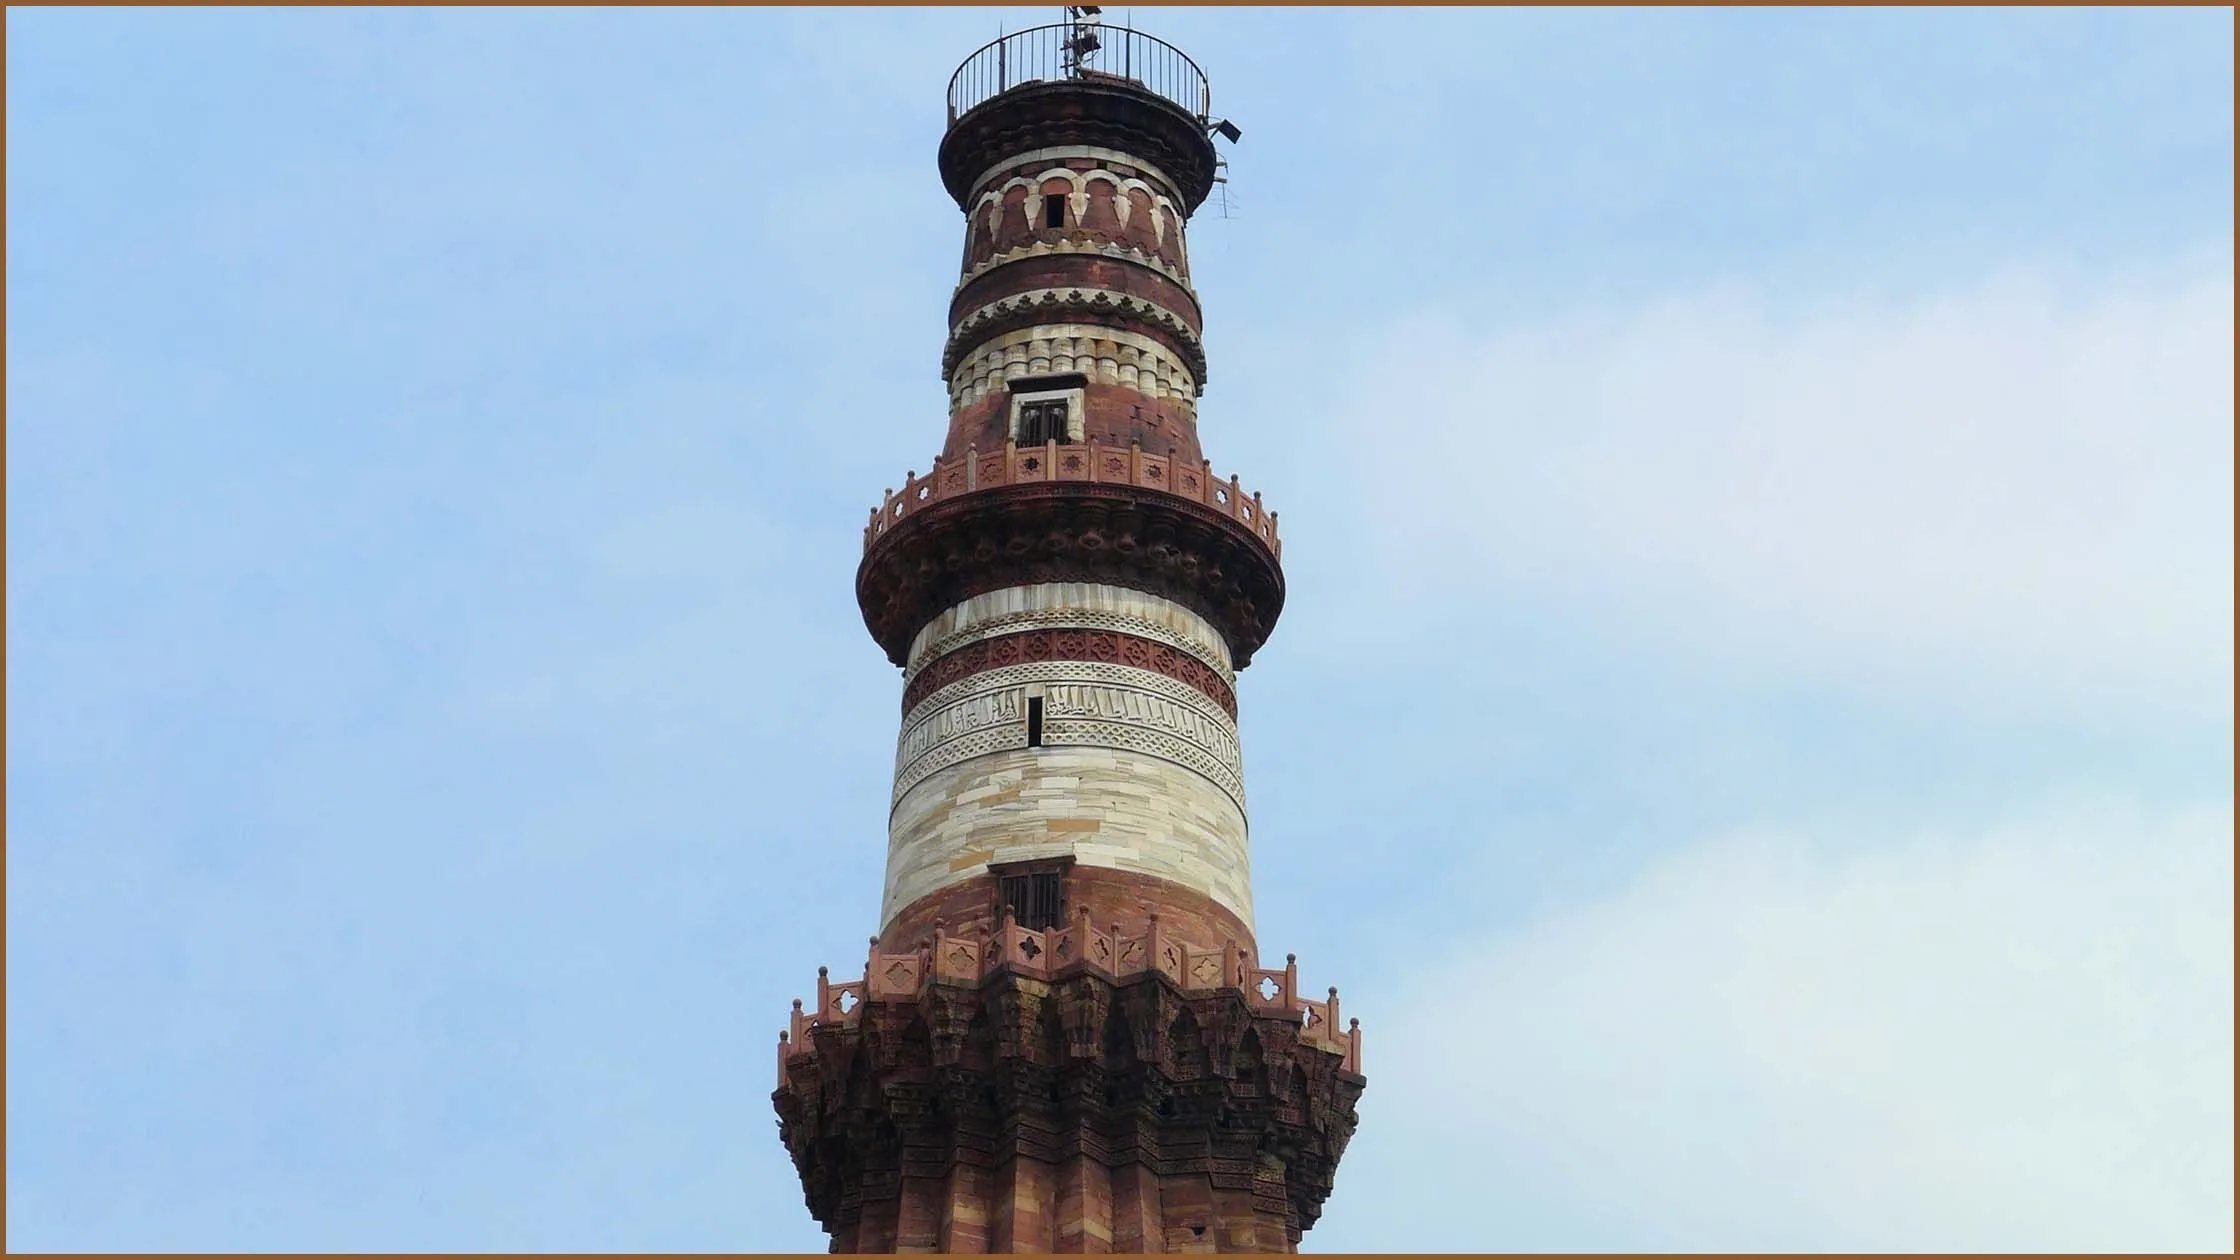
(1098, 202)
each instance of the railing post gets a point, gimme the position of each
(1135, 463)
(1010, 460)
(1291, 982)
(972, 468)
(1050, 459)
(1092, 459)
(824, 992)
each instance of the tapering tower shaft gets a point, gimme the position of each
(1063, 1039)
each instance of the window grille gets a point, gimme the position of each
(1044, 421)
(1036, 899)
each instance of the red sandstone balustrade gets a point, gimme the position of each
(1054, 461)
(1058, 951)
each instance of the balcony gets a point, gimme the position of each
(1084, 51)
(1086, 462)
(1063, 951)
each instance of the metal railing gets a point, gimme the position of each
(1080, 51)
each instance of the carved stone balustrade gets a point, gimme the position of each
(1090, 462)
(1062, 951)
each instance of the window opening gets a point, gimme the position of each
(1048, 420)
(1036, 900)
(1034, 721)
(1054, 211)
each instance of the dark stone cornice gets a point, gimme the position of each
(1069, 531)
(1111, 115)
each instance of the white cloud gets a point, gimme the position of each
(2014, 1039)
(2012, 489)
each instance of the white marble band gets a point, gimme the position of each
(1083, 703)
(1103, 807)
(1106, 355)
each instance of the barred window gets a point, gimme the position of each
(1035, 898)
(1044, 421)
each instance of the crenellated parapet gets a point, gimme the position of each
(1057, 954)
(1086, 513)
(1090, 463)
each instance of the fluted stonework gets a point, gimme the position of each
(1063, 1038)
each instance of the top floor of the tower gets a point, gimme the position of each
(1081, 85)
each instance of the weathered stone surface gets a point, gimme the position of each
(1153, 817)
(1078, 1114)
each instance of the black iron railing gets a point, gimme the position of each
(1080, 50)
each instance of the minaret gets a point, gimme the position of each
(1064, 1038)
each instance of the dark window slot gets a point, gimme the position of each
(1036, 900)
(1034, 721)
(1054, 212)
(1041, 422)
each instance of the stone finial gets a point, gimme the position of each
(797, 1006)
(822, 972)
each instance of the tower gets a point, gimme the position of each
(1063, 1038)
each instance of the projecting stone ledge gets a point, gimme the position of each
(1071, 513)
(1009, 1101)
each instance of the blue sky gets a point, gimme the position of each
(1750, 735)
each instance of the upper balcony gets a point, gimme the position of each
(1080, 83)
(1071, 513)
(1080, 51)
(1056, 461)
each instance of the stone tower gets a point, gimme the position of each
(1064, 1039)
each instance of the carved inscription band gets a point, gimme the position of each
(1085, 704)
(1104, 646)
